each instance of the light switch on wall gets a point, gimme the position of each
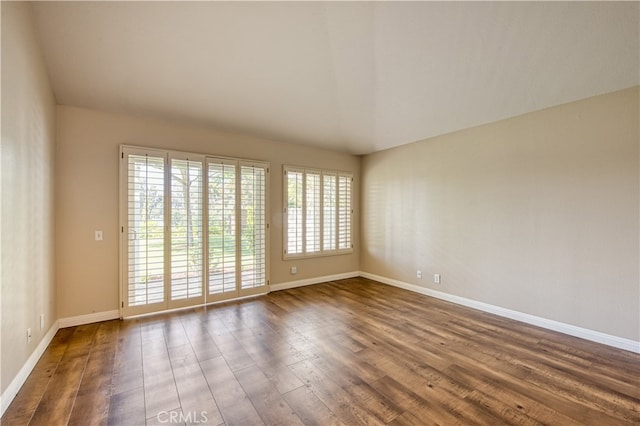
(98, 235)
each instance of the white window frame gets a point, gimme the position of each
(303, 253)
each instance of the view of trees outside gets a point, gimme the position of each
(294, 212)
(226, 198)
(186, 229)
(253, 227)
(318, 211)
(329, 212)
(312, 216)
(146, 229)
(222, 227)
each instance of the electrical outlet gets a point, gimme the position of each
(294, 270)
(28, 335)
(98, 235)
(419, 274)
(41, 321)
(436, 278)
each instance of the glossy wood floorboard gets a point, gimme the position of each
(342, 353)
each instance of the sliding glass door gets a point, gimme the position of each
(193, 229)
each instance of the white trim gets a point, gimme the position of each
(12, 390)
(311, 281)
(572, 330)
(89, 318)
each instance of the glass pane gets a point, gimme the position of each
(312, 214)
(344, 212)
(222, 228)
(329, 198)
(186, 229)
(145, 223)
(253, 226)
(294, 212)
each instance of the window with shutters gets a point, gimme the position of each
(145, 218)
(187, 244)
(318, 212)
(222, 226)
(253, 228)
(194, 229)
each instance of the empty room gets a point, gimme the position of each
(320, 213)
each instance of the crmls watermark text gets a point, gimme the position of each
(192, 417)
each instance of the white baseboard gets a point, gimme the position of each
(12, 390)
(89, 318)
(311, 281)
(572, 330)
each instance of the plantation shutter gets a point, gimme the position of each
(253, 225)
(293, 210)
(193, 229)
(222, 225)
(187, 243)
(312, 211)
(145, 229)
(345, 212)
(329, 201)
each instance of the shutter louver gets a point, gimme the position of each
(319, 212)
(344, 212)
(329, 211)
(312, 212)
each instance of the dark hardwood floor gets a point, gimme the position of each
(347, 352)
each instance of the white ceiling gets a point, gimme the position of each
(357, 77)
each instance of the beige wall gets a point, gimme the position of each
(87, 198)
(27, 221)
(537, 214)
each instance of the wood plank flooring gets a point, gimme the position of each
(342, 353)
